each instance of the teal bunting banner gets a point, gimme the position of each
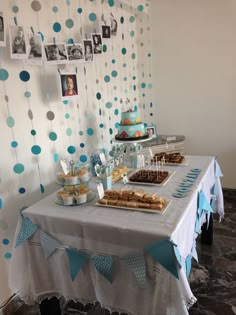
(188, 265)
(103, 264)
(49, 244)
(76, 261)
(26, 231)
(204, 206)
(218, 172)
(136, 264)
(194, 251)
(177, 255)
(163, 253)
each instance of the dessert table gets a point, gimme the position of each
(130, 261)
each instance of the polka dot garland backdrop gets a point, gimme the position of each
(38, 131)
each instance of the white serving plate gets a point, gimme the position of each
(167, 204)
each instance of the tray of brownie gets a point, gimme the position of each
(150, 177)
(137, 200)
(169, 159)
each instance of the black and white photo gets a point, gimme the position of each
(97, 43)
(18, 45)
(68, 85)
(35, 48)
(151, 130)
(106, 31)
(2, 30)
(88, 50)
(55, 53)
(75, 52)
(114, 26)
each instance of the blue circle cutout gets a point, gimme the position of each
(82, 145)
(27, 94)
(90, 131)
(55, 9)
(80, 10)
(53, 136)
(18, 168)
(83, 158)
(114, 73)
(57, 27)
(7, 255)
(101, 125)
(10, 122)
(36, 149)
(24, 76)
(22, 190)
(71, 149)
(14, 144)
(99, 96)
(56, 157)
(92, 17)
(5, 241)
(116, 112)
(3, 74)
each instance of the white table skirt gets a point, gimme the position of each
(113, 232)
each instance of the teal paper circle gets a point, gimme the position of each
(41, 188)
(124, 65)
(108, 105)
(123, 51)
(3, 74)
(69, 23)
(133, 56)
(10, 122)
(117, 125)
(56, 157)
(110, 131)
(122, 19)
(57, 27)
(53, 136)
(18, 168)
(15, 9)
(104, 48)
(65, 102)
(111, 3)
(68, 2)
(114, 73)
(132, 33)
(71, 149)
(14, 144)
(143, 85)
(70, 41)
(69, 132)
(81, 133)
(92, 17)
(100, 112)
(150, 86)
(82, 145)
(116, 112)
(24, 76)
(113, 61)
(22, 190)
(33, 132)
(101, 125)
(149, 55)
(125, 78)
(90, 131)
(107, 78)
(7, 255)
(98, 96)
(55, 9)
(83, 158)
(140, 8)
(35, 149)
(80, 10)
(5, 241)
(132, 19)
(27, 94)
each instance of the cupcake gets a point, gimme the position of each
(81, 198)
(67, 199)
(71, 180)
(61, 178)
(83, 175)
(59, 195)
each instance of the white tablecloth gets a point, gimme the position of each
(114, 232)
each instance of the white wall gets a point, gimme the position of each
(194, 75)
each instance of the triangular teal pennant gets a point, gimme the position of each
(194, 251)
(48, 243)
(136, 264)
(218, 172)
(76, 261)
(203, 204)
(163, 253)
(177, 255)
(103, 264)
(198, 225)
(188, 264)
(26, 231)
(0, 203)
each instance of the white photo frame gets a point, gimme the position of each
(97, 43)
(152, 131)
(2, 30)
(75, 52)
(106, 31)
(88, 50)
(35, 55)
(55, 53)
(19, 46)
(68, 85)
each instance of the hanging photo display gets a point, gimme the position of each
(75, 52)
(68, 85)
(18, 46)
(2, 30)
(55, 53)
(35, 48)
(97, 43)
(106, 31)
(114, 25)
(88, 50)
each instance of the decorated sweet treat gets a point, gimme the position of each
(149, 176)
(83, 175)
(131, 127)
(80, 198)
(132, 199)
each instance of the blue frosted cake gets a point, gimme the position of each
(131, 127)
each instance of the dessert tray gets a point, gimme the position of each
(135, 200)
(170, 159)
(150, 177)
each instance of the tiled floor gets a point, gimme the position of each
(213, 279)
